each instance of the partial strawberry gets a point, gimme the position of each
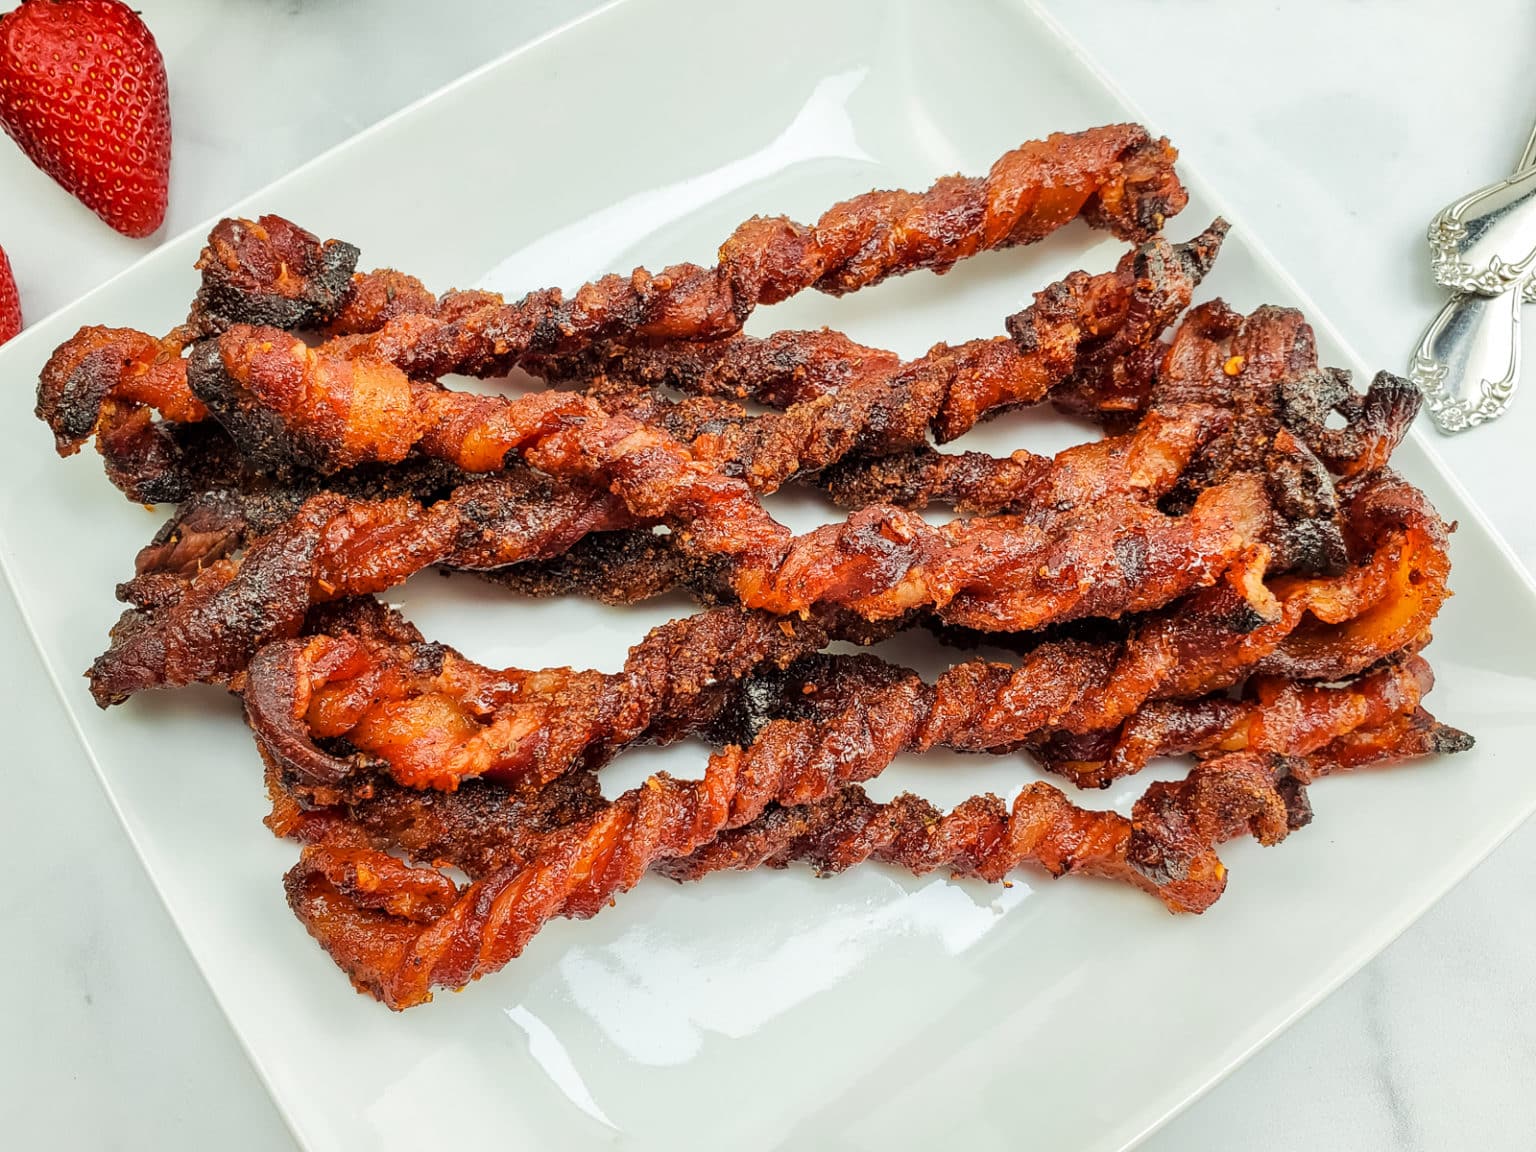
(10, 301)
(83, 91)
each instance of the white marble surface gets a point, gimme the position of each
(1332, 130)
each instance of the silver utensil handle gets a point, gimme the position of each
(1528, 157)
(1468, 362)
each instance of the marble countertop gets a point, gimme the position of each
(1332, 132)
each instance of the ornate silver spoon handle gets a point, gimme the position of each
(1486, 241)
(1468, 362)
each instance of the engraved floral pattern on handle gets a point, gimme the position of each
(1486, 241)
(1468, 363)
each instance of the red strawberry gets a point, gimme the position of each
(83, 91)
(10, 301)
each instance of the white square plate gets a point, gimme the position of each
(748, 1011)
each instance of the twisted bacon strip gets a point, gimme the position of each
(1121, 555)
(686, 828)
(794, 762)
(270, 272)
(1274, 715)
(580, 868)
(1115, 177)
(478, 828)
(285, 402)
(1324, 628)
(361, 412)
(433, 719)
(1260, 371)
(110, 383)
(627, 567)
(1275, 385)
(1084, 324)
(486, 828)
(1167, 840)
(227, 506)
(159, 462)
(780, 370)
(207, 629)
(333, 408)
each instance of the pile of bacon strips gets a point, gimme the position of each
(1231, 571)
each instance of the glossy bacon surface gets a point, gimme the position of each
(1115, 177)
(432, 719)
(1119, 556)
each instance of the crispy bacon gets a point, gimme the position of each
(689, 827)
(1083, 324)
(1165, 846)
(1273, 715)
(1169, 835)
(231, 507)
(479, 827)
(1116, 178)
(287, 403)
(110, 383)
(271, 272)
(1167, 843)
(583, 866)
(433, 719)
(1262, 369)
(1327, 628)
(1121, 555)
(1233, 572)
(1322, 627)
(333, 407)
(1275, 386)
(1072, 324)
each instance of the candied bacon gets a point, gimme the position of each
(1279, 717)
(686, 827)
(1083, 324)
(1115, 177)
(1233, 573)
(110, 383)
(1121, 555)
(432, 719)
(479, 827)
(1323, 626)
(272, 272)
(1165, 845)
(884, 415)
(231, 507)
(331, 409)
(1263, 368)
(1273, 715)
